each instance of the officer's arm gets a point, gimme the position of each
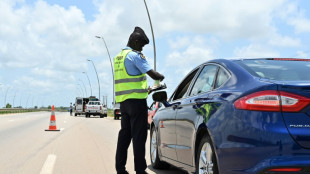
(155, 75)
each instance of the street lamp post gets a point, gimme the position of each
(154, 47)
(6, 93)
(97, 76)
(91, 92)
(81, 89)
(84, 86)
(27, 102)
(110, 63)
(14, 98)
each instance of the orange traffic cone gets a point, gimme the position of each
(52, 126)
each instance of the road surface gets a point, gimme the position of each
(82, 146)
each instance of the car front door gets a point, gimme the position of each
(166, 127)
(188, 115)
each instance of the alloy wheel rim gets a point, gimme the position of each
(205, 159)
(153, 147)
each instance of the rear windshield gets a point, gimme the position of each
(78, 101)
(282, 70)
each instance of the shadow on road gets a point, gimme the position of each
(170, 170)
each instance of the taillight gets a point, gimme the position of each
(100, 107)
(272, 101)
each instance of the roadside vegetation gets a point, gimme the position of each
(9, 110)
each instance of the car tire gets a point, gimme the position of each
(101, 115)
(75, 115)
(155, 161)
(205, 157)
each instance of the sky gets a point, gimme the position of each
(45, 44)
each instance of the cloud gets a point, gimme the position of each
(188, 51)
(53, 42)
(284, 41)
(301, 54)
(295, 15)
(255, 51)
(301, 25)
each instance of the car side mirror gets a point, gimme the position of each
(160, 96)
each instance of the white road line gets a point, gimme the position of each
(11, 120)
(61, 129)
(49, 164)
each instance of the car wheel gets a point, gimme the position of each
(205, 158)
(101, 116)
(155, 161)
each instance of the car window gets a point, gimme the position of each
(79, 101)
(205, 80)
(278, 69)
(181, 90)
(221, 78)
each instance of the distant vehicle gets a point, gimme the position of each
(95, 108)
(116, 111)
(245, 116)
(79, 105)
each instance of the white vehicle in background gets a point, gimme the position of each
(95, 108)
(79, 105)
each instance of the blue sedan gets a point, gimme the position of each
(244, 116)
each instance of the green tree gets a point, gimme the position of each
(8, 105)
(49, 107)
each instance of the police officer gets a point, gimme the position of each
(71, 108)
(131, 91)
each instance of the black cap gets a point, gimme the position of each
(139, 34)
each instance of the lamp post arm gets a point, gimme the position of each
(111, 65)
(91, 92)
(154, 47)
(97, 78)
(84, 87)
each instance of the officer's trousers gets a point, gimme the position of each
(133, 127)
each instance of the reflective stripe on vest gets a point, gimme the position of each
(127, 86)
(130, 80)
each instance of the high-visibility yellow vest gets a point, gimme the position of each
(127, 86)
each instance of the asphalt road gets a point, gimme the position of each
(82, 146)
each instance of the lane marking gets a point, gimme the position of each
(49, 164)
(11, 120)
(61, 129)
